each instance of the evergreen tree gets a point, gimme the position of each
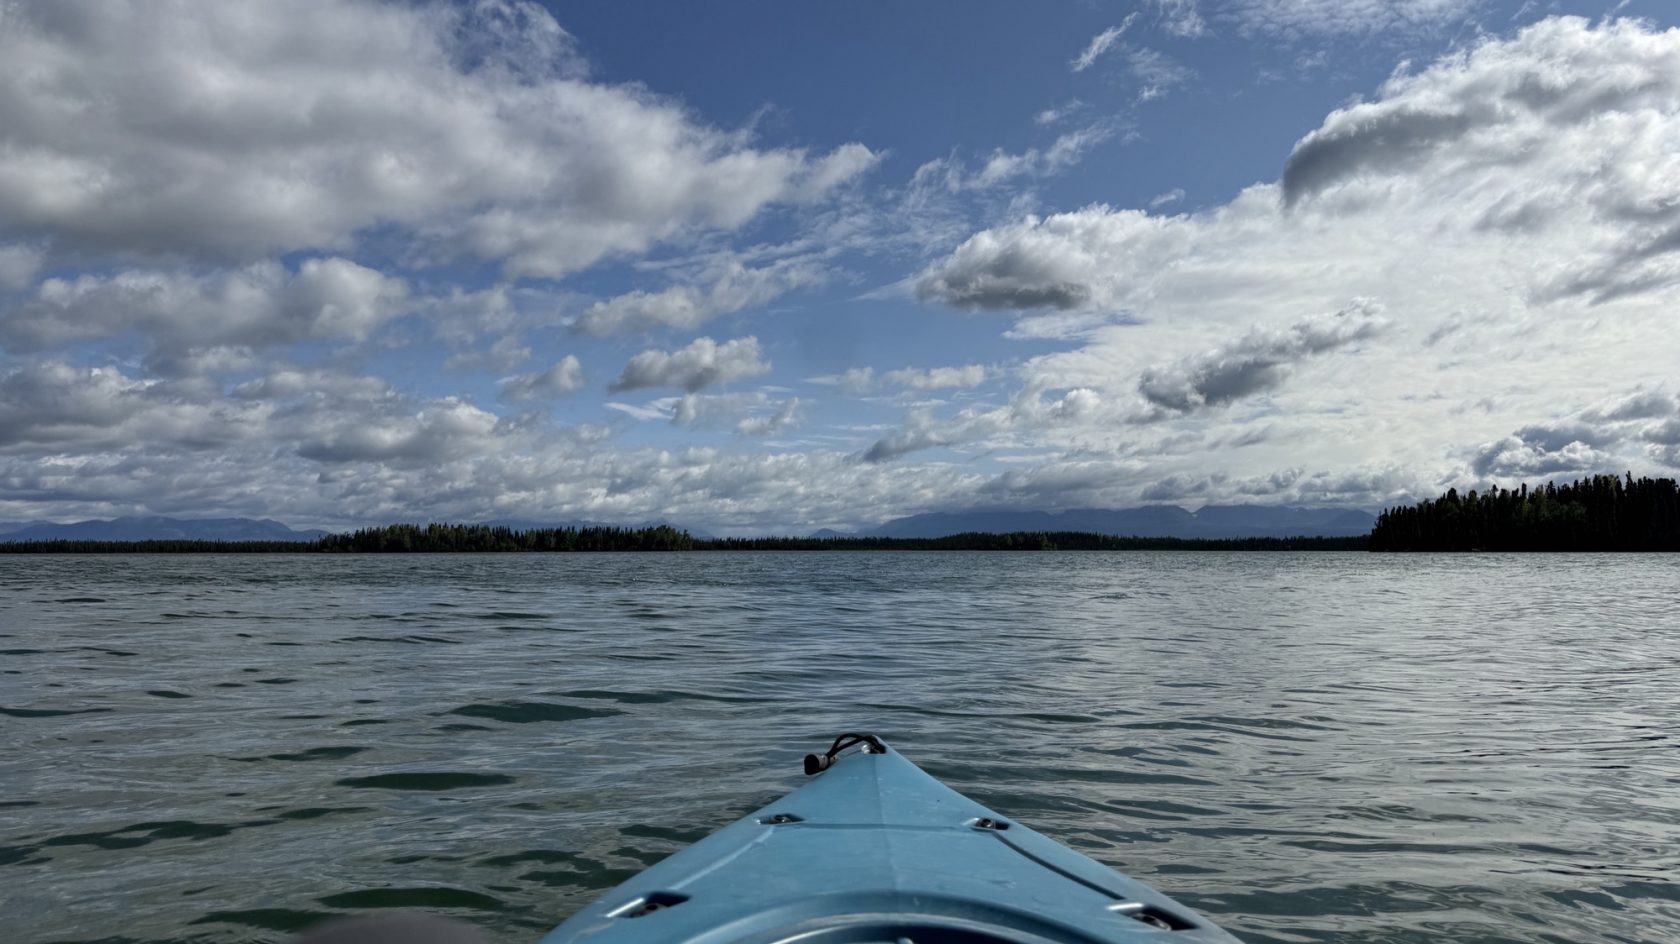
(1601, 513)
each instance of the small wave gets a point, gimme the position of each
(414, 639)
(20, 855)
(425, 897)
(661, 697)
(542, 856)
(317, 753)
(646, 831)
(316, 812)
(429, 780)
(1227, 728)
(1161, 810)
(1054, 718)
(142, 834)
(1242, 722)
(266, 919)
(1046, 717)
(529, 712)
(49, 712)
(627, 698)
(590, 875)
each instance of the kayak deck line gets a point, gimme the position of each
(843, 827)
(995, 827)
(873, 849)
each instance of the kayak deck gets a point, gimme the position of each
(874, 849)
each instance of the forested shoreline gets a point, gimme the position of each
(1601, 513)
(459, 538)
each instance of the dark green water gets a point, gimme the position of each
(1303, 747)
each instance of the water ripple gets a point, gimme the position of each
(1306, 747)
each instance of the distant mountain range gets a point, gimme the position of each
(1151, 521)
(152, 528)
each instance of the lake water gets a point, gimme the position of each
(1313, 747)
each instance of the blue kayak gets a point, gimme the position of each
(873, 849)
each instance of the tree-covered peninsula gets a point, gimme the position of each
(1601, 513)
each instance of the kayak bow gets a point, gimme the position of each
(874, 850)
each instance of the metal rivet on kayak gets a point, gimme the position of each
(779, 819)
(986, 822)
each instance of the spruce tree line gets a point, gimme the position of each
(1601, 513)
(451, 538)
(162, 546)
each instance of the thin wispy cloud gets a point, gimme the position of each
(1180, 17)
(1101, 43)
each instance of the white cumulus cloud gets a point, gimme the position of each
(566, 376)
(703, 363)
(186, 314)
(938, 378)
(238, 129)
(721, 289)
(1513, 203)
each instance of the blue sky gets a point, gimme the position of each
(775, 267)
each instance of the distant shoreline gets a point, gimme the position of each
(459, 539)
(1602, 513)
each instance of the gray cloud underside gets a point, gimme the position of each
(208, 322)
(1258, 362)
(703, 363)
(1590, 442)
